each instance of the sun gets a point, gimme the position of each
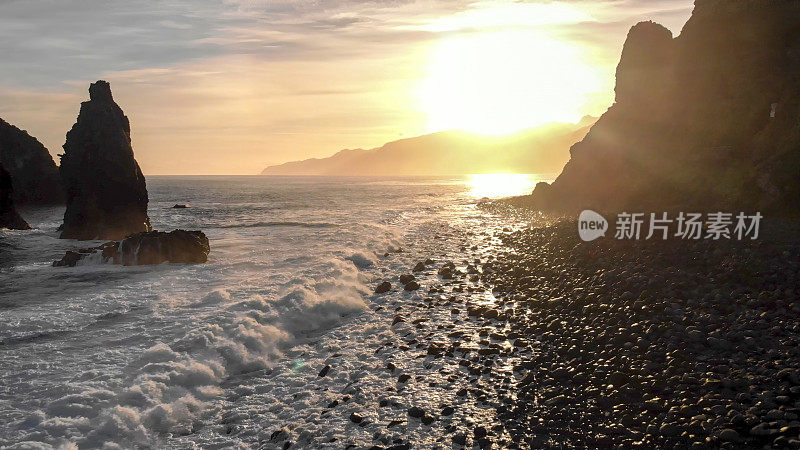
(498, 82)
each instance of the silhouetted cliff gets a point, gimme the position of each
(9, 218)
(539, 150)
(34, 175)
(707, 120)
(106, 192)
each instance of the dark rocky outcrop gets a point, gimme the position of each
(106, 192)
(154, 247)
(707, 120)
(645, 59)
(9, 218)
(34, 174)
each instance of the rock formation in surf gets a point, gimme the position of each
(707, 120)
(106, 192)
(155, 247)
(34, 174)
(9, 218)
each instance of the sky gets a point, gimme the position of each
(232, 86)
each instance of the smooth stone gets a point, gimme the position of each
(383, 287)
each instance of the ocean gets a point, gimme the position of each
(224, 354)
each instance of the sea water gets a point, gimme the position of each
(217, 354)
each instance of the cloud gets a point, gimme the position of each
(46, 41)
(264, 81)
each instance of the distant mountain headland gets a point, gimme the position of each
(706, 120)
(544, 149)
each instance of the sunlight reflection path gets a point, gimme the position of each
(497, 185)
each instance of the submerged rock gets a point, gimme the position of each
(106, 192)
(34, 174)
(154, 247)
(9, 218)
(70, 259)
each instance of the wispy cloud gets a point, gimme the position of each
(264, 81)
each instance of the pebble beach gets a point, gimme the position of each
(534, 339)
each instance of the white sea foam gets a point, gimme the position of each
(136, 356)
(171, 385)
(362, 260)
(92, 259)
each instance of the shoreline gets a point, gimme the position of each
(403, 374)
(532, 342)
(644, 344)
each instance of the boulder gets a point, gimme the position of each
(406, 278)
(9, 218)
(411, 286)
(70, 259)
(416, 412)
(106, 192)
(34, 174)
(383, 287)
(154, 247)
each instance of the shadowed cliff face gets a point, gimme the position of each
(106, 192)
(34, 174)
(9, 218)
(692, 125)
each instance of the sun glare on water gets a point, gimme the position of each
(509, 75)
(498, 185)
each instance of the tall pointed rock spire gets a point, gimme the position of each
(106, 191)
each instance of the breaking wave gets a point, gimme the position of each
(131, 357)
(169, 385)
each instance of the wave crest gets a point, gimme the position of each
(170, 384)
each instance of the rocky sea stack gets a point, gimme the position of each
(9, 218)
(155, 247)
(34, 174)
(106, 192)
(706, 120)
